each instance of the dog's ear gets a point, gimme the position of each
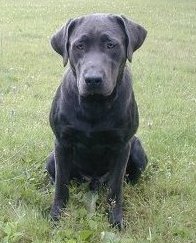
(136, 35)
(59, 40)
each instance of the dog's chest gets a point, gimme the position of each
(93, 150)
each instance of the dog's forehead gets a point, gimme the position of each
(97, 24)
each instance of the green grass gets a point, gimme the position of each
(161, 208)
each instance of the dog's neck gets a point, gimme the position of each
(93, 108)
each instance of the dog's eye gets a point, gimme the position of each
(110, 45)
(80, 46)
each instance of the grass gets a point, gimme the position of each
(161, 208)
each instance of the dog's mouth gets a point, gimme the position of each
(94, 91)
(95, 94)
(86, 91)
(100, 97)
(94, 83)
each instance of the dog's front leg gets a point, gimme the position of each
(63, 160)
(115, 186)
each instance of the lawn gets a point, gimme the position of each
(161, 208)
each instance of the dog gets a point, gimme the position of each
(94, 115)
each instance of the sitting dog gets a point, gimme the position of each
(94, 114)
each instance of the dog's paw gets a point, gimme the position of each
(56, 210)
(55, 213)
(116, 218)
(133, 178)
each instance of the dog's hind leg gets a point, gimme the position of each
(137, 161)
(50, 167)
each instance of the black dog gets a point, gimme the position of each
(94, 115)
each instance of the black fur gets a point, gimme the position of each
(94, 114)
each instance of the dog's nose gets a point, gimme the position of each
(93, 81)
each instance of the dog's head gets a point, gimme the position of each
(97, 47)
